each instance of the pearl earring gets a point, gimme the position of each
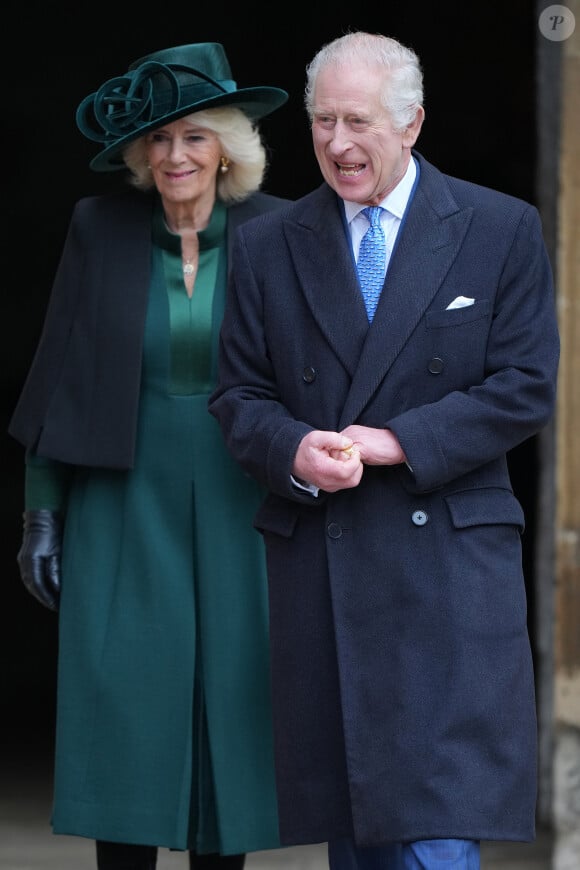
(225, 164)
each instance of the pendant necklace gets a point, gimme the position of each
(188, 268)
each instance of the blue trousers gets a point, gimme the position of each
(420, 855)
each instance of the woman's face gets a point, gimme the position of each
(184, 160)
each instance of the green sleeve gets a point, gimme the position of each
(46, 483)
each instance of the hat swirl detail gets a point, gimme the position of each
(160, 88)
(126, 103)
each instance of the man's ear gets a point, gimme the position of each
(411, 132)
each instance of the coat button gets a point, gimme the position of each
(419, 518)
(436, 366)
(309, 374)
(334, 530)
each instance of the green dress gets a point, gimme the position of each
(163, 711)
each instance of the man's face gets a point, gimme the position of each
(360, 155)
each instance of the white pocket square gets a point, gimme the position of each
(460, 302)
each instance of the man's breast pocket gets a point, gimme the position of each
(454, 317)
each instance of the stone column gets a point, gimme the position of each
(566, 770)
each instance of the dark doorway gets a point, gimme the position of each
(480, 105)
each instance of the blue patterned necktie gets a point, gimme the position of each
(371, 260)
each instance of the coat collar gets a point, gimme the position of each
(430, 239)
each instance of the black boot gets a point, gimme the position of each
(216, 862)
(125, 856)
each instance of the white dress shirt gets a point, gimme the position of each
(394, 205)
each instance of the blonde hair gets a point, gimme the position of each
(240, 141)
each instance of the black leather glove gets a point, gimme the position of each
(39, 556)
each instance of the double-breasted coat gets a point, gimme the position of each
(403, 687)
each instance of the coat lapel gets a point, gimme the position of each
(325, 268)
(322, 258)
(429, 243)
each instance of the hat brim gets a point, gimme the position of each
(256, 103)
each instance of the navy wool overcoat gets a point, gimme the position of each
(402, 676)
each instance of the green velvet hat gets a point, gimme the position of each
(160, 88)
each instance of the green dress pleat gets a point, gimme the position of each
(163, 715)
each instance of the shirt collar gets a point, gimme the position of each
(394, 202)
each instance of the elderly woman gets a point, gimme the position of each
(137, 522)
